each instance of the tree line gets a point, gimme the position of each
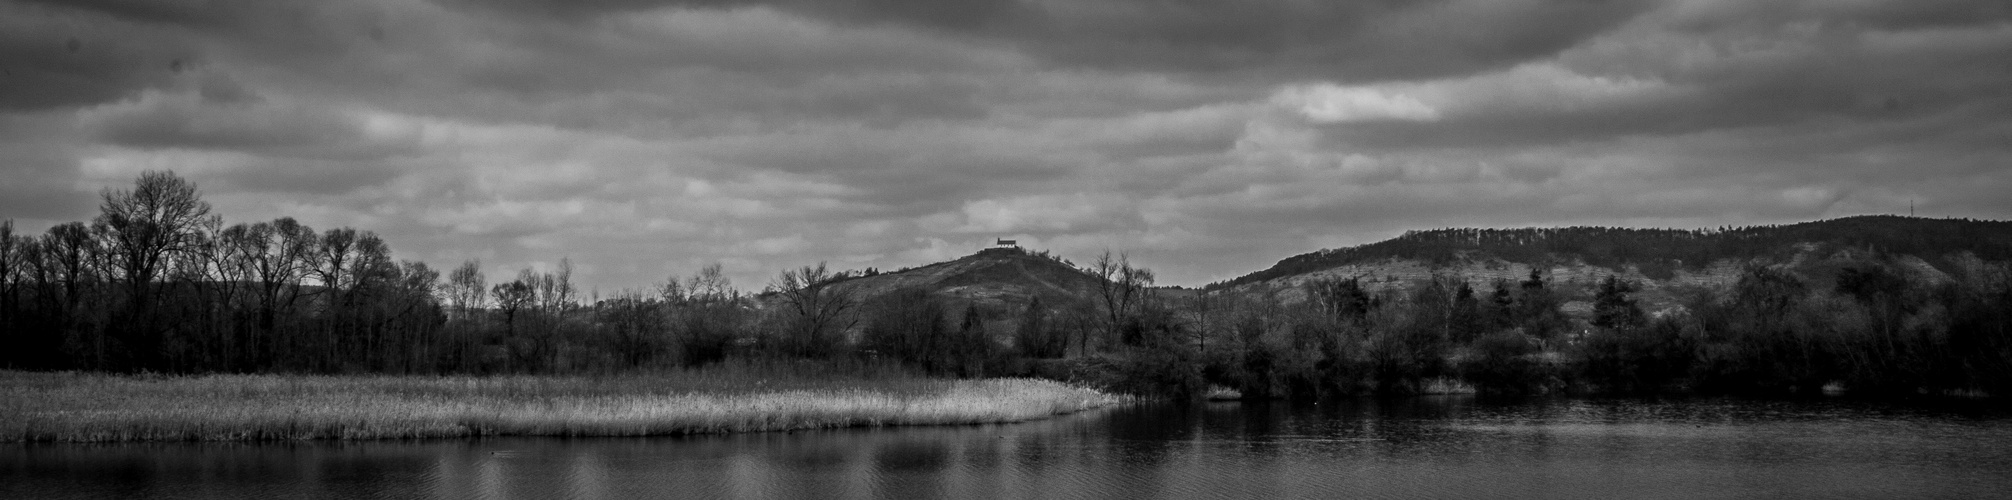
(156, 282)
(1870, 326)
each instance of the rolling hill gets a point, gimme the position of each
(1666, 262)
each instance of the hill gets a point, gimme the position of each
(1665, 261)
(1001, 281)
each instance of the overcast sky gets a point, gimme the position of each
(1206, 138)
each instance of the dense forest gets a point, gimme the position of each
(158, 283)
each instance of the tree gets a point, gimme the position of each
(1201, 308)
(332, 258)
(12, 334)
(1467, 321)
(10, 271)
(146, 228)
(1340, 299)
(973, 345)
(511, 299)
(635, 327)
(818, 309)
(1036, 337)
(1768, 292)
(1121, 288)
(280, 256)
(1882, 292)
(1537, 307)
(711, 284)
(907, 325)
(373, 300)
(534, 323)
(70, 263)
(1613, 308)
(556, 293)
(1499, 312)
(465, 288)
(708, 314)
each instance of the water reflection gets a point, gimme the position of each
(1424, 447)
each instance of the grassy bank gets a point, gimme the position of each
(75, 407)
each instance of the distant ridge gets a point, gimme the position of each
(1660, 253)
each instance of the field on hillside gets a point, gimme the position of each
(81, 407)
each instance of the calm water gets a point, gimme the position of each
(1444, 447)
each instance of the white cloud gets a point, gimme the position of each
(1330, 103)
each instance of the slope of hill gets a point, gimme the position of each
(1664, 261)
(999, 280)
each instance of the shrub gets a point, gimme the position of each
(1506, 362)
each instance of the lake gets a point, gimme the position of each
(1430, 447)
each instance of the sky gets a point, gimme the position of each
(645, 139)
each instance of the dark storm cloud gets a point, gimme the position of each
(55, 58)
(281, 32)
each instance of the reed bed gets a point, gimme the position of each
(80, 407)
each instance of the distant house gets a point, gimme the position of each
(1008, 243)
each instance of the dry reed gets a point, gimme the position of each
(79, 407)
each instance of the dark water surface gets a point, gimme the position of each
(1436, 447)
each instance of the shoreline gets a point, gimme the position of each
(103, 408)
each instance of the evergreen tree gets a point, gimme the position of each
(1613, 308)
(1500, 310)
(1466, 321)
(1537, 307)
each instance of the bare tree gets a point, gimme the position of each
(1121, 289)
(279, 256)
(10, 276)
(148, 225)
(66, 265)
(707, 313)
(466, 288)
(417, 292)
(1035, 336)
(635, 326)
(556, 293)
(819, 309)
(711, 283)
(672, 292)
(332, 258)
(146, 228)
(213, 272)
(1201, 309)
(512, 300)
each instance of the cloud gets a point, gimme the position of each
(38, 184)
(53, 58)
(282, 129)
(1267, 40)
(1328, 103)
(1071, 213)
(647, 138)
